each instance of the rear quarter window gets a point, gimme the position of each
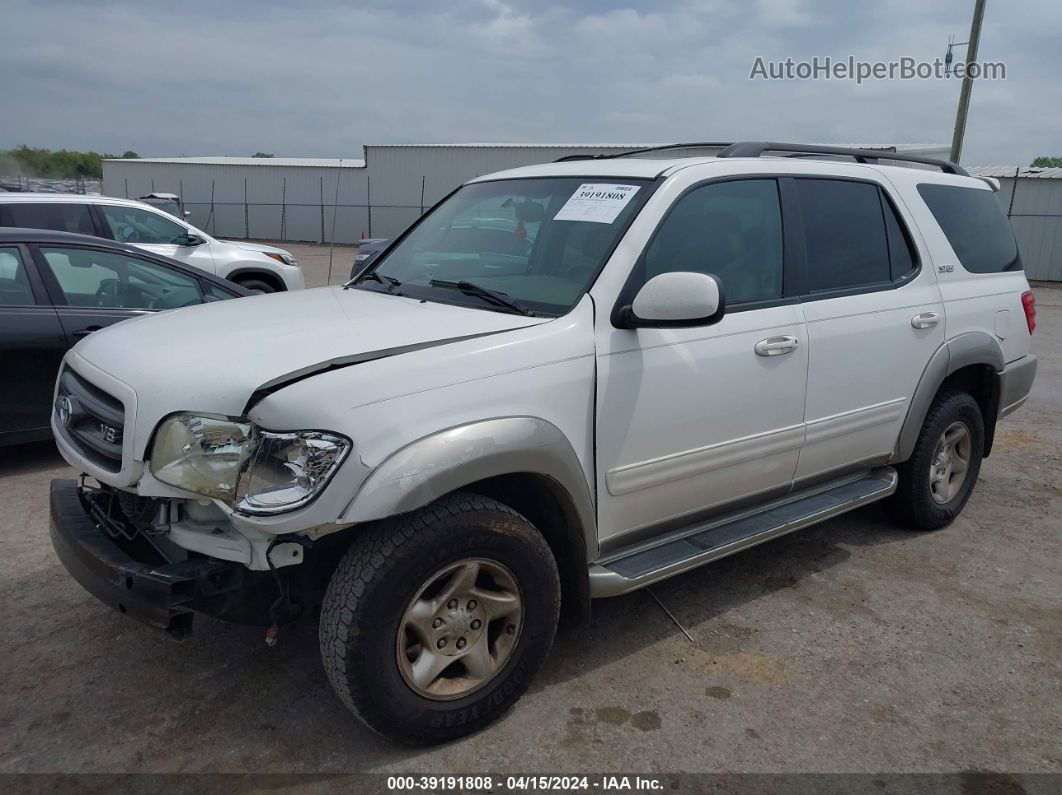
(973, 221)
(62, 217)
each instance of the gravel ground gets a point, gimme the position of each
(851, 646)
(314, 259)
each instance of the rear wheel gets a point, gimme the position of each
(940, 475)
(435, 622)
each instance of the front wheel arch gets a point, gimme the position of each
(243, 275)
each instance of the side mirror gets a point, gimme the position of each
(189, 239)
(675, 300)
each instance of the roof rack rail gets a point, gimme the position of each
(631, 152)
(758, 148)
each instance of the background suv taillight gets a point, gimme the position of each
(1028, 303)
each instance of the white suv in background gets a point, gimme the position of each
(253, 265)
(565, 381)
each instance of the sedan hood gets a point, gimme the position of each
(216, 357)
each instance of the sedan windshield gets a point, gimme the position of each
(536, 244)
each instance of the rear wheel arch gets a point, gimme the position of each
(970, 362)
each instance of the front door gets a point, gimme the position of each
(157, 232)
(692, 419)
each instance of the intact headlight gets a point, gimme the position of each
(287, 259)
(253, 470)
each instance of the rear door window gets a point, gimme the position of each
(844, 234)
(973, 221)
(60, 216)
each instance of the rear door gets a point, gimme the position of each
(32, 344)
(874, 318)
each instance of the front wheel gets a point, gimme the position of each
(939, 477)
(435, 622)
(256, 285)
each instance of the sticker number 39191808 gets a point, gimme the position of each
(597, 202)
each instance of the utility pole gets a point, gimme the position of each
(967, 82)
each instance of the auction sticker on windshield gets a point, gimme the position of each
(600, 203)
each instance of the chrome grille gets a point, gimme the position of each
(90, 420)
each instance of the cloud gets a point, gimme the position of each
(322, 78)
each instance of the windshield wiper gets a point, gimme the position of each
(390, 282)
(494, 296)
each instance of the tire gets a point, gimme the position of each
(923, 500)
(376, 629)
(257, 285)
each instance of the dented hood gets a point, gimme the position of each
(216, 357)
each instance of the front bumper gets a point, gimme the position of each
(132, 578)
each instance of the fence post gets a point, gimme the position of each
(368, 200)
(322, 240)
(335, 214)
(127, 187)
(283, 207)
(1013, 190)
(246, 220)
(211, 221)
(422, 176)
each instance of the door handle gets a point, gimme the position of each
(925, 320)
(86, 331)
(776, 346)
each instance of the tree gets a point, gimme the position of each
(1047, 162)
(262, 154)
(129, 154)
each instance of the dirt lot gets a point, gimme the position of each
(851, 646)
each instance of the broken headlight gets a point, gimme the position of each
(254, 470)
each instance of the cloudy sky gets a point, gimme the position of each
(320, 78)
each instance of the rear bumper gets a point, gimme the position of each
(1015, 382)
(157, 593)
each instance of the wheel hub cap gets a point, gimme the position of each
(951, 461)
(460, 629)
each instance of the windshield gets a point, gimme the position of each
(540, 242)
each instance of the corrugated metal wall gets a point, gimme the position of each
(301, 202)
(1034, 206)
(280, 202)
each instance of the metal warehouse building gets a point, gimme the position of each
(1032, 198)
(323, 200)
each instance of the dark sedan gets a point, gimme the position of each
(57, 287)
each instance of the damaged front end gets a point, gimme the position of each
(120, 547)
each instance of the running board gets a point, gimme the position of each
(633, 568)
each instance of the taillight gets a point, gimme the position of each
(1028, 303)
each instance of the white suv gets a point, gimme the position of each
(253, 265)
(565, 381)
